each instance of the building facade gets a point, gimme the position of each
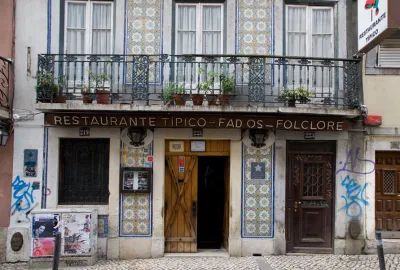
(6, 136)
(130, 117)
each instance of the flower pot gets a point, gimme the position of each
(103, 96)
(86, 99)
(224, 100)
(213, 101)
(291, 103)
(197, 99)
(179, 99)
(60, 99)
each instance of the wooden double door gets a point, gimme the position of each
(310, 196)
(196, 208)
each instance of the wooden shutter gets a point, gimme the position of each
(389, 52)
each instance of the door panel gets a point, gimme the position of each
(387, 194)
(309, 199)
(181, 204)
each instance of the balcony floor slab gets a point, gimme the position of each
(126, 108)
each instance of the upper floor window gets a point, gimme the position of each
(88, 27)
(310, 31)
(389, 52)
(199, 28)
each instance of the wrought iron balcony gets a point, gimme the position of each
(247, 80)
(5, 80)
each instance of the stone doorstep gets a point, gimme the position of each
(65, 261)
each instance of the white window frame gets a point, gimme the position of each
(309, 29)
(199, 24)
(88, 24)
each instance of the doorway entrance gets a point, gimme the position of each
(196, 208)
(310, 189)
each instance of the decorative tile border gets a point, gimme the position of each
(136, 157)
(143, 32)
(254, 30)
(257, 196)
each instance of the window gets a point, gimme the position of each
(389, 52)
(310, 31)
(84, 165)
(310, 34)
(199, 28)
(88, 27)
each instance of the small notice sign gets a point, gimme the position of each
(84, 131)
(150, 158)
(181, 164)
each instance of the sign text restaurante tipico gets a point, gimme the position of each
(198, 121)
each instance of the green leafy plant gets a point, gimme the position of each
(299, 93)
(227, 84)
(207, 84)
(171, 89)
(98, 79)
(46, 85)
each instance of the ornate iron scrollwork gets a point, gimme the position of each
(352, 83)
(140, 80)
(256, 79)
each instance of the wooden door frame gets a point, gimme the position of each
(168, 154)
(334, 154)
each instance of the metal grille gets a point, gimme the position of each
(312, 180)
(84, 171)
(388, 182)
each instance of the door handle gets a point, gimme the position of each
(296, 204)
(194, 209)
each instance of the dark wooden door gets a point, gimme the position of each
(310, 197)
(387, 194)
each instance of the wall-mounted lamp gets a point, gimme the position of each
(4, 135)
(258, 137)
(137, 135)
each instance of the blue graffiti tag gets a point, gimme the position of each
(351, 163)
(22, 193)
(354, 196)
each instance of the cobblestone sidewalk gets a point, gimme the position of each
(311, 262)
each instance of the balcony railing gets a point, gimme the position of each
(151, 79)
(5, 77)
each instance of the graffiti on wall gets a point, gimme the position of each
(22, 193)
(353, 194)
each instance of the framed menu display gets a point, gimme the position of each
(136, 179)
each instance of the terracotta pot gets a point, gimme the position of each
(224, 99)
(213, 101)
(86, 99)
(197, 99)
(179, 99)
(103, 96)
(60, 99)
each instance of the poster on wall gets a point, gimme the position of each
(77, 233)
(44, 229)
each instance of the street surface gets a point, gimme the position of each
(291, 262)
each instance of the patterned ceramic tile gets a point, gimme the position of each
(136, 157)
(143, 30)
(257, 220)
(255, 24)
(135, 214)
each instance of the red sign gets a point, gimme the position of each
(150, 158)
(181, 162)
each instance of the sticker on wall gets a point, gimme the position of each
(181, 164)
(150, 159)
(102, 226)
(30, 162)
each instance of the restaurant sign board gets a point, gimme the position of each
(302, 123)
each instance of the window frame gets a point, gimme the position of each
(88, 24)
(309, 29)
(199, 24)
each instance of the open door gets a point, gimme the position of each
(181, 204)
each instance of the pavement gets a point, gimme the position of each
(282, 262)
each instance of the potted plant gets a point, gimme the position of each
(98, 81)
(174, 92)
(204, 86)
(46, 89)
(227, 86)
(87, 96)
(299, 93)
(62, 86)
